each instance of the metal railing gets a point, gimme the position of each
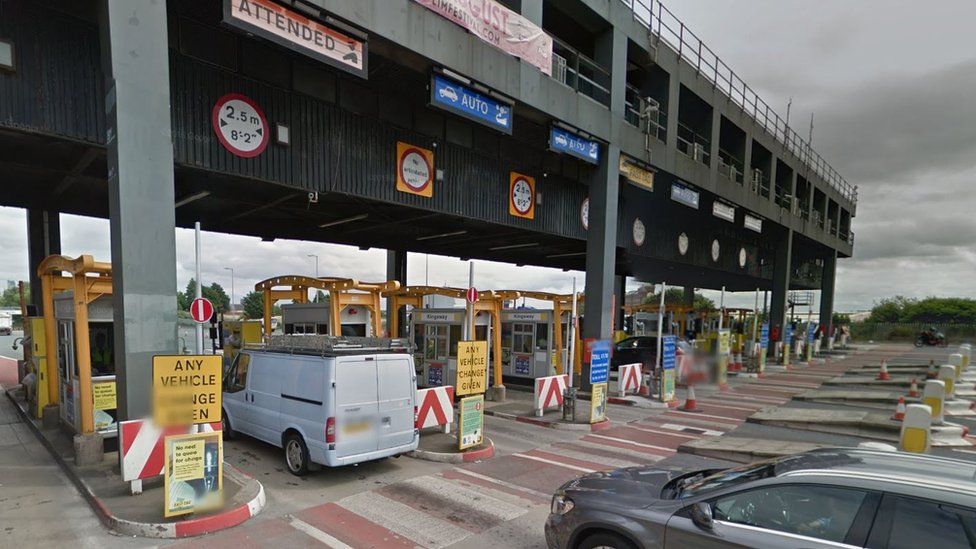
(580, 72)
(655, 120)
(730, 166)
(693, 144)
(668, 28)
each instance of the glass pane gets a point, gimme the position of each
(542, 336)
(915, 523)
(455, 337)
(820, 512)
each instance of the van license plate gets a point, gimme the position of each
(355, 428)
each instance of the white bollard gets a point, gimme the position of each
(934, 398)
(966, 350)
(955, 359)
(947, 375)
(916, 429)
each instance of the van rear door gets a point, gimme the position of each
(355, 405)
(397, 392)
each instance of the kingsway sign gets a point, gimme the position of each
(340, 47)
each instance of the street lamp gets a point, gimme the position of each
(231, 269)
(316, 264)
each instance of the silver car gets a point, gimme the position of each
(824, 498)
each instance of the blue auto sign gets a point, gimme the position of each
(764, 335)
(788, 334)
(600, 361)
(568, 142)
(811, 332)
(668, 349)
(459, 99)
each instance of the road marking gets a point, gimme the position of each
(639, 444)
(724, 419)
(556, 463)
(586, 457)
(638, 455)
(646, 430)
(423, 528)
(964, 451)
(703, 431)
(748, 398)
(509, 485)
(317, 534)
(709, 402)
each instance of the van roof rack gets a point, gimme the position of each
(325, 344)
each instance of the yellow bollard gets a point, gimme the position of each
(934, 398)
(947, 375)
(916, 429)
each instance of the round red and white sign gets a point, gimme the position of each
(415, 172)
(522, 198)
(472, 295)
(201, 310)
(240, 125)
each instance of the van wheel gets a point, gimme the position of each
(602, 540)
(296, 455)
(228, 431)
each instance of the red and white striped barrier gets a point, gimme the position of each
(629, 378)
(141, 448)
(549, 392)
(435, 407)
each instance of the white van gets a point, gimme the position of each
(325, 400)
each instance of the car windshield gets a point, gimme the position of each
(726, 478)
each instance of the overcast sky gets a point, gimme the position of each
(892, 85)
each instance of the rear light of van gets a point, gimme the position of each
(330, 430)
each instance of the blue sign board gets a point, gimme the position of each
(464, 101)
(788, 335)
(600, 361)
(568, 142)
(764, 336)
(811, 332)
(668, 350)
(684, 195)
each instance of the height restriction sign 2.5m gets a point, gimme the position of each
(240, 125)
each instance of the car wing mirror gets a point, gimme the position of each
(701, 515)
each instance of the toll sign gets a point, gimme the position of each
(186, 389)
(472, 367)
(240, 125)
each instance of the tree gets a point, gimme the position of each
(320, 297)
(214, 292)
(675, 297)
(11, 297)
(840, 319)
(253, 305)
(936, 310)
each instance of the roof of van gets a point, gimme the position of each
(327, 353)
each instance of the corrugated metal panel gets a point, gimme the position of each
(56, 88)
(333, 150)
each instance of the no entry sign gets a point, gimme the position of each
(201, 310)
(472, 295)
(240, 125)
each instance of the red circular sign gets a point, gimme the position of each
(201, 310)
(472, 295)
(414, 169)
(240, 125)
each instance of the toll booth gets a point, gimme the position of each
(237, 334)
(78, 341)
(435, 333)
(101, 347)
(315, 319)
(529, 345)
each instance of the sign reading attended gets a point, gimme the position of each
(194, 472)
(186, 389)
(472, 368)
(471, 431)
(335, 44)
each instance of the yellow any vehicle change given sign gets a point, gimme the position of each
(186, 389)
(472, 368)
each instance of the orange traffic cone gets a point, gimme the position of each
(899, 410)
(931, 373)
(883, 374)
(913, 390)
(690, 404)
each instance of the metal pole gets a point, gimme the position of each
(572, 339)
(469, 313)
(755, 317)
(196, 231)
(660, 326)
(721, 310)
(231, 269)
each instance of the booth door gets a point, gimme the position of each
(67, 372)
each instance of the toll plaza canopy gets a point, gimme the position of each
(608, 150)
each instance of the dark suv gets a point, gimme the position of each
(821, 499)
(635, 349)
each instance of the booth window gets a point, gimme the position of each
(101, 346)
(353, 330)
(322, 329)
(436, 347)
(541, 337)
(418, 336)
(455, 337)
(522, 335)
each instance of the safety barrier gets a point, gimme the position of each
(141, 448)
(916, 429)
(629, 378)
(435, 408)
(934, 398)
(955, 359)
(549, 392)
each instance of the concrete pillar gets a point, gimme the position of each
(714, 145)
(689, 297)
(140, 188)
(781, 279)
(747, 162)
(611, 52)
(396, 269)
(620, 297)
(827, 293)
(772, 178)
(43, 239)
(674, 98)
(532, 10)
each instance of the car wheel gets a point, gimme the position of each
(296, 455)
(225, 426)
(605, 540)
